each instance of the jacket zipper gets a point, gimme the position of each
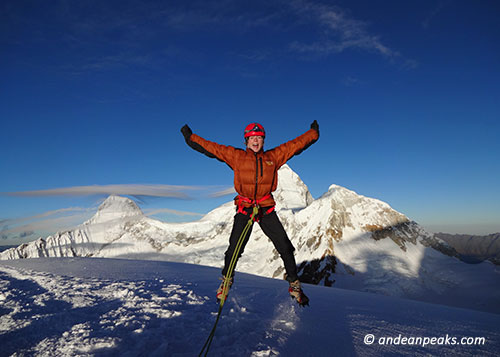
(256, 176)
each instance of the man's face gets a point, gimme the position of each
(255, 143)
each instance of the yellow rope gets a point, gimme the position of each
(230, 270)
(234, 258)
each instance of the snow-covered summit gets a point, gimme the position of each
(115, 207)
(292, 192)
(358, 211)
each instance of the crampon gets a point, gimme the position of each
(223, 289)
(297, 294)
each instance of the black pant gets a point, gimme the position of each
(272, 228)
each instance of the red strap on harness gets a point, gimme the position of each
(241, 199)
(252, 202)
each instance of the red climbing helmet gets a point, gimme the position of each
(254, 129)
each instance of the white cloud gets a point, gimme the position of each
(44, 223)
(435, 11)
(20, 220)
(131, 190)
(339, 31)
(225, 192)
(166, 191)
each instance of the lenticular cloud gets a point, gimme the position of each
(173, 191)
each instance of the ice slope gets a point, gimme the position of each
(110, 307)
(342, 239)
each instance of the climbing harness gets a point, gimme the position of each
(240, 200)
(230, 270)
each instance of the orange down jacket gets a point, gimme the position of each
(255, 174)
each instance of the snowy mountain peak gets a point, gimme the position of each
(349, 198)
(334, 187)
(115, 207)
(292, 192)
(340, 190)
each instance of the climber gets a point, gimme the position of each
(255, 178)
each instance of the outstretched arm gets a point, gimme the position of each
(222, 153)
(187, 132)
(286, 151)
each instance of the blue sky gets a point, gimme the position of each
(94, 93)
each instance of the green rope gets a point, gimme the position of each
(230, 270)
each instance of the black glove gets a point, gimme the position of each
(315, 126)
(186, 131)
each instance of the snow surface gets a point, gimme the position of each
(113, 307)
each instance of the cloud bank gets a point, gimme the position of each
(169, 191)
(29, 228)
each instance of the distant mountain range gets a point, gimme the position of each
(474, 248)
(342, 239)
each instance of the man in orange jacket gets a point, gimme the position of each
(255, 178)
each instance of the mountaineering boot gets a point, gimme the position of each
(296, 293)
(221, 293)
